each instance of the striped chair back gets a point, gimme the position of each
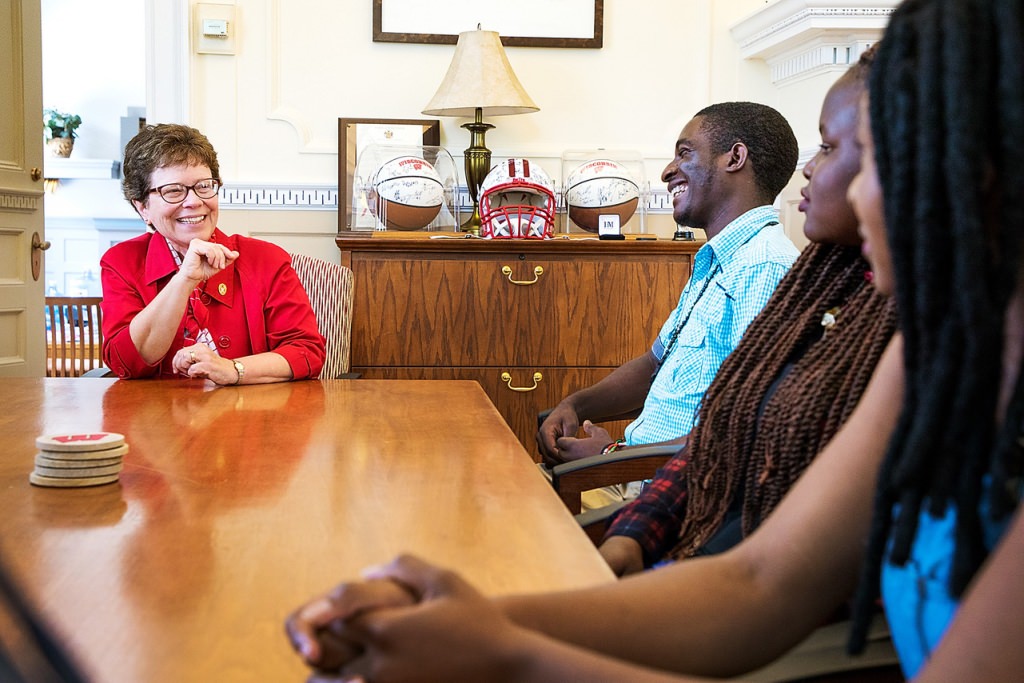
(329, 287)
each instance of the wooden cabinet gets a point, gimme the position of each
(531, 321)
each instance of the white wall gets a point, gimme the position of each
(94, 57)
(271, 109)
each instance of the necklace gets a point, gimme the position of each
(679, 328)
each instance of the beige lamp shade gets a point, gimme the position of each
(480, 77)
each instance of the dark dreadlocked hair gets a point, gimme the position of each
(735, 453)
(947, 116)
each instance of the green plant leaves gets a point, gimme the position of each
(57, 124)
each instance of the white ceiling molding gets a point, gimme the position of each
(802, 38)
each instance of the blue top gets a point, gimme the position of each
(918, 604)
(734, 275)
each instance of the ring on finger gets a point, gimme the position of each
(192, 355)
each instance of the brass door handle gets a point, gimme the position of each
(35, 174)
(38, 247)
(38, 243)
(537, 272)
(507, 379)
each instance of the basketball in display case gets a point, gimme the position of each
(601, 187)
(406, 193)
(604, 191)
(404, 187)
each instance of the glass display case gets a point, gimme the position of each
(603, 191)
(404, 187)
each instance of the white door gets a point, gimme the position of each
(22, 337)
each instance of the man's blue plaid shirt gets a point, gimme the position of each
(745, 262)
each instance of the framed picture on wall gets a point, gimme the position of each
(355, 135)
(524, 23)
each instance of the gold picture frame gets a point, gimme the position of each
(355, 134)
(451, 17)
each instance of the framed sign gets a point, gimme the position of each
(524, 23)
(354, 135)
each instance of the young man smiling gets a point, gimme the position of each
(731, 161)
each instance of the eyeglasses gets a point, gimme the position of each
(175, 193)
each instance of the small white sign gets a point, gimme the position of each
(608, 224)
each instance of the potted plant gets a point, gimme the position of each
(59, 131)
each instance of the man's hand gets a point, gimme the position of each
(563, 421)
(571, 448)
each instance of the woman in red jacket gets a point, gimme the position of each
(185, 299)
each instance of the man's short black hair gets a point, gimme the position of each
(765, 132)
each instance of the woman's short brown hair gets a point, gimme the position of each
(164, 144)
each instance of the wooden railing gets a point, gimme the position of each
(74, 335)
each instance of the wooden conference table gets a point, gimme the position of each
(236, 504)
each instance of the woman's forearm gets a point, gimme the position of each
(153, 329)
(767, 593)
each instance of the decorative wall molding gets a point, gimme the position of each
(276, 109)
(801, 38)
(16, 201)
(290, 197)
(325, 198)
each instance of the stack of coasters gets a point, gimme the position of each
(72, 460)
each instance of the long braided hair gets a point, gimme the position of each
(947, 117)
(736, 453)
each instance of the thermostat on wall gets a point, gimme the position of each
(214, 28)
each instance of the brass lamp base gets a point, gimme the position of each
(478, 163)
(472, 224)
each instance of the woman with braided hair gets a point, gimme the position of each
(947, 135)
(934, 446)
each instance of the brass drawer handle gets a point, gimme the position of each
(507, 379)
(537, 272)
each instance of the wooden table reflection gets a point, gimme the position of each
(237, 503)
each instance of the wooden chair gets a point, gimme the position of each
(329, 287)
(571, 479)
(74, 337)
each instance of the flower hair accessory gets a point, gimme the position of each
(828, 321)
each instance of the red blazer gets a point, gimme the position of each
(256, 304)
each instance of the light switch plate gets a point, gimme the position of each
(207, 20)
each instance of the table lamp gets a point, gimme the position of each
(479, 82)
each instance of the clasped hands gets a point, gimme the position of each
(406, 621)
(199, 361)
(557, 440)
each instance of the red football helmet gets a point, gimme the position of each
(517, 199)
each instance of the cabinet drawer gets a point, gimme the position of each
(509, 309)
(519, 399)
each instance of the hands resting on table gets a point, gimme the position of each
(407, 621)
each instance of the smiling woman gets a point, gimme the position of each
(187, 300)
